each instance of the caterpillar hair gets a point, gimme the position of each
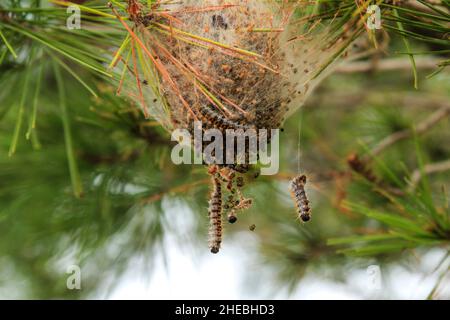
(215, 216)
(301, 200)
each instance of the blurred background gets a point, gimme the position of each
(86, 181)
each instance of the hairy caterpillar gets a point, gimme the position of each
(301, 200)
(215, 216)
(217, 120)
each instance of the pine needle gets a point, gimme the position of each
(10, 48)
(54, 47)
(32, 123)
(20, 114)
(75, 75)
(71, 159)
(408, 50)
(83, 8)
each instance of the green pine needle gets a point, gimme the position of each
(71, 158)
(10, 48)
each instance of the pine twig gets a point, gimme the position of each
(360, 166)
(429, 169)
(179, 189)
(421, 128)
(414, 4)
(388, 65)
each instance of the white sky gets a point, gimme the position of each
(222, 276)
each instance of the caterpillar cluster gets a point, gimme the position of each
(235, 202)
(298, 193)
(213, 119)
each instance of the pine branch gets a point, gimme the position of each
(420, 128)
(432, 168)
(387, 65)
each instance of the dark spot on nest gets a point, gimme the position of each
(146, 20)
(218, 21)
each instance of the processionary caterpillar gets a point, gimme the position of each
(215, 216)
(301, 200)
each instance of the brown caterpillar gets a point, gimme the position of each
(215, 216)
(219, 121)
(301, 200)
